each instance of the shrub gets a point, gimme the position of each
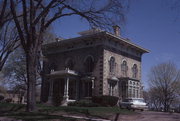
(83, 103)
(8, 100)
(57, 99)
(105, 100)
(1, 98)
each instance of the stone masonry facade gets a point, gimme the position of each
(99, 63)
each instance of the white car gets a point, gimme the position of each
(134, 104)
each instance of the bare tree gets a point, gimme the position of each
(164, 83)
(153, 98)
(39, 14)
(8, 33)
(8, 42)
(4, 12)
(14, 71)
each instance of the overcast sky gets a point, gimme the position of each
(151, 24)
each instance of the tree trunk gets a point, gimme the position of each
(31, 79)
(165, 105)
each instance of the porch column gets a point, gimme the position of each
(66, 89)
(92, 83)
(50, 91)
(111, 90)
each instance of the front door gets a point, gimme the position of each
(88, 89)
(72, 89)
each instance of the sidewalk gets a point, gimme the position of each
(67, 116)
(8, 119)
(85, 118)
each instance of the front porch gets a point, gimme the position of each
(71, 86)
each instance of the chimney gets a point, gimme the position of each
(116, 29)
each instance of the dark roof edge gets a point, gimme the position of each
(71, 39)
(103, 32)
(128, 42)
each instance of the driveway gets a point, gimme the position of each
(150, 116)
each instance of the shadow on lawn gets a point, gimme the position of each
(35, 116)
(17, 111)
(50, 113)
(8, 108)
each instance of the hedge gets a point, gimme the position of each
(83, 103)
(1, 98)
(105, 100)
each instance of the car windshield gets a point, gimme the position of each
(134, 100)
(127, 100)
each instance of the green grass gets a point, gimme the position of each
(101, 112)
(48, 113)
(36, 116)
(85, 109)
(8, 107)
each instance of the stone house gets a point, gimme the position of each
(93, 64)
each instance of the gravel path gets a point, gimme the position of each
(151, 116)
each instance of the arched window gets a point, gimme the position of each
(89, 64)
(112, 65)
(69, 64)
(124, 68)
(134, 71)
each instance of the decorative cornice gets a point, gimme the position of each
(99, 34)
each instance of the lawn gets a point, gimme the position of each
(48, 113)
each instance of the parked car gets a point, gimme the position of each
(134, 104)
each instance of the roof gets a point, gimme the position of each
(101, 33)
(128, 42)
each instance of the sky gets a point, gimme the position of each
(152, 24)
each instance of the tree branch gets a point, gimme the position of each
(23, 41)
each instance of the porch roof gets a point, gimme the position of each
(62, 73)
(113, 78)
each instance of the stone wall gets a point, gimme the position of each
(78, 56)
(118, 73)
(101, 50)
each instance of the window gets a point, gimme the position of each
(69, 64)
(124, 68)
(137, 93)
(112, 65)
(130, 92)
(134, 71)
(134, 92)
(89, 64)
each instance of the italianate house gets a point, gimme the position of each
(95, 63)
